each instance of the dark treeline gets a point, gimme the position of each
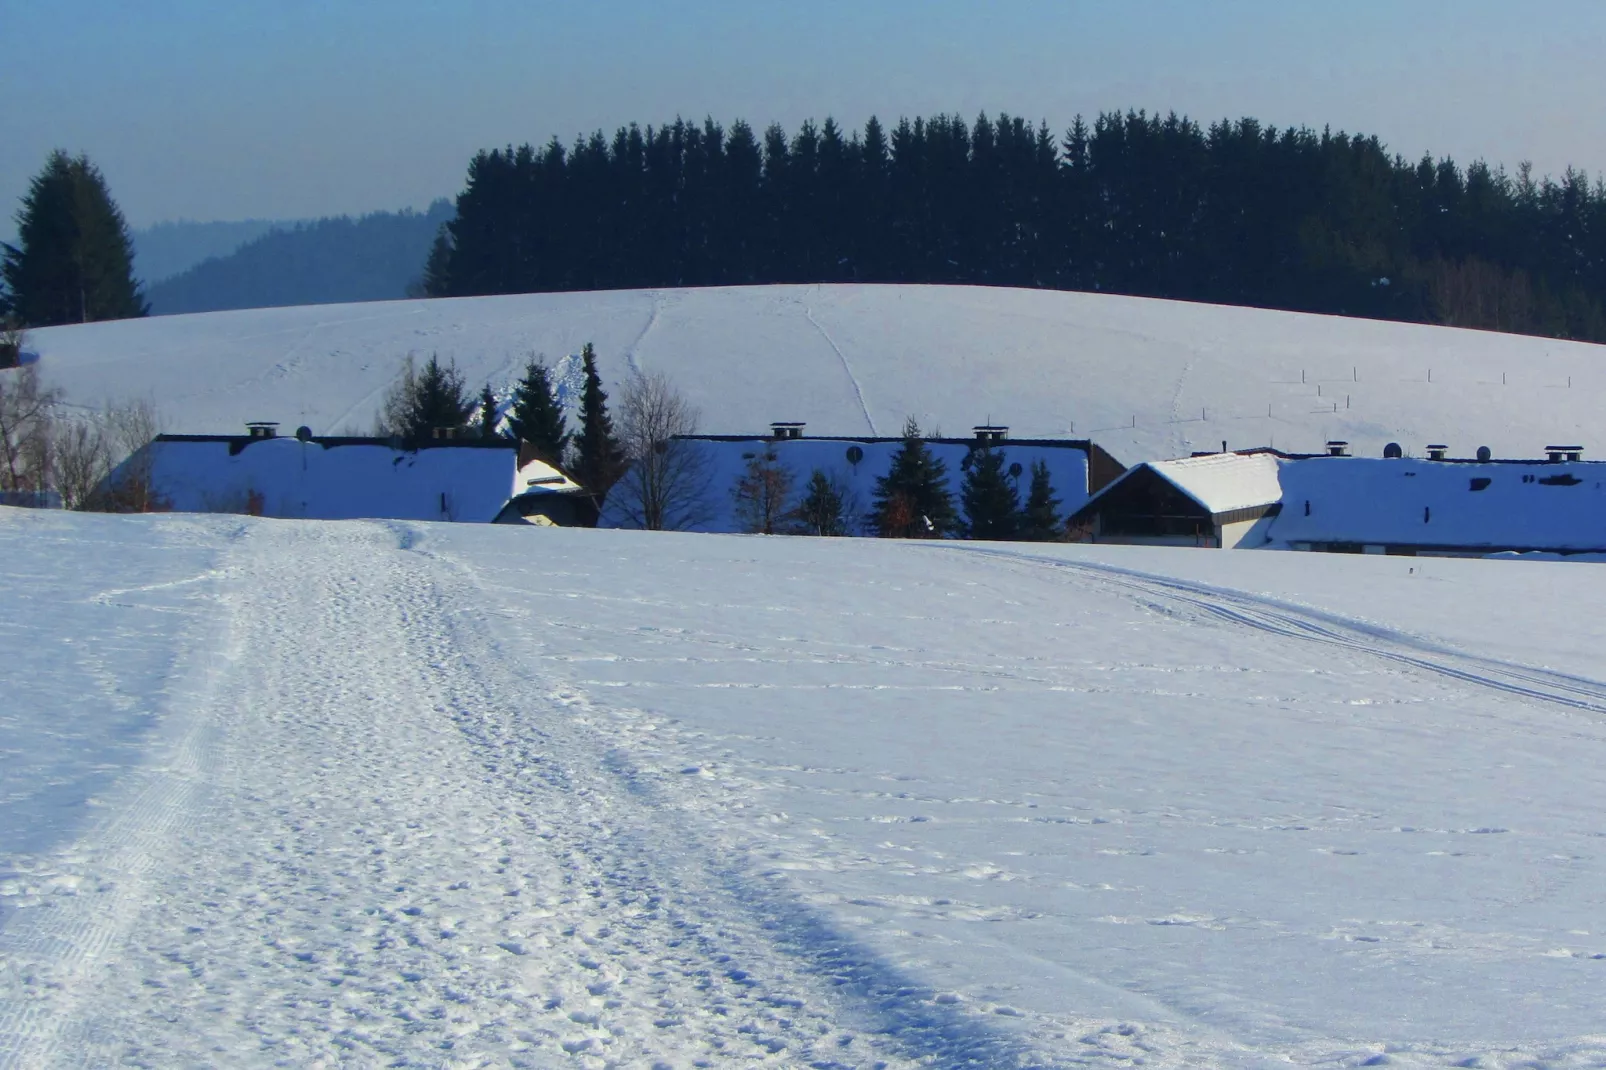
(1236, 213)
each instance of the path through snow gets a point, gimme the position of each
(435, 795)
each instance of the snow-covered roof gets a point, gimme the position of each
(331, 479)
(1223, 482)
(1452, 504)
(537, 477)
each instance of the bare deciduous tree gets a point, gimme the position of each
(131, 428)
(102, 463)
(763, 495)
(26, 409)
(665, 487)
(83, 460)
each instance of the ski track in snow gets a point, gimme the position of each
(847, 368)
(1296, 622)
(631, 359)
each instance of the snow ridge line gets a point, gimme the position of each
(742, 924)
(858, 389)
(1296, 622)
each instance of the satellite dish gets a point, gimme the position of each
(1393, 452)
(1015, 470)
(855, 455)
(1483, 453)
(304, 433)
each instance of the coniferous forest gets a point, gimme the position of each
(1236, 213)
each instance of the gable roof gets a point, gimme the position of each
(1217, 482)
(1224, 482)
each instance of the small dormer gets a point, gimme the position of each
(1564, 453)
(1437, 451)
(786, 429)
(262, 428)
(990, 432)
(1337, 448)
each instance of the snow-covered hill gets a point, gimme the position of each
(300, 794)
(1146, 379)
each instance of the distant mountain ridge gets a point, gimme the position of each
(334, 260)
(166, 249)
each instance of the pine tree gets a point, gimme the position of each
(990, 498)
(536, 417)
(438, 401)
(600, 460)
(437, 280)
(823, 510)
(487, 413)
(75, 260)
(1040, 520)
(912, 501)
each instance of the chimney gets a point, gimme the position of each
(786, 429)
(990, 432)
(1337, 448)
(1437, 451)
(262, 428)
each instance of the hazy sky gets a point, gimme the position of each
(227, 109)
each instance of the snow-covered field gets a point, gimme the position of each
(361, 793)
(1145, 379)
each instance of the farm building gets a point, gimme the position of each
(545, 496)
(1335, 503)
(1443, 507)
(1077, 467)
(1219, 499)
(344, 477)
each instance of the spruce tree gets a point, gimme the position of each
(438, 401)
(487, 413)
(989, 496)
(75, 260)
(1040, 520)
(600, 460)
(912, 501)
(536, 417)
(823, 510)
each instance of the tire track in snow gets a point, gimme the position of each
(1284, 619)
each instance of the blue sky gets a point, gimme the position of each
(228, 110)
